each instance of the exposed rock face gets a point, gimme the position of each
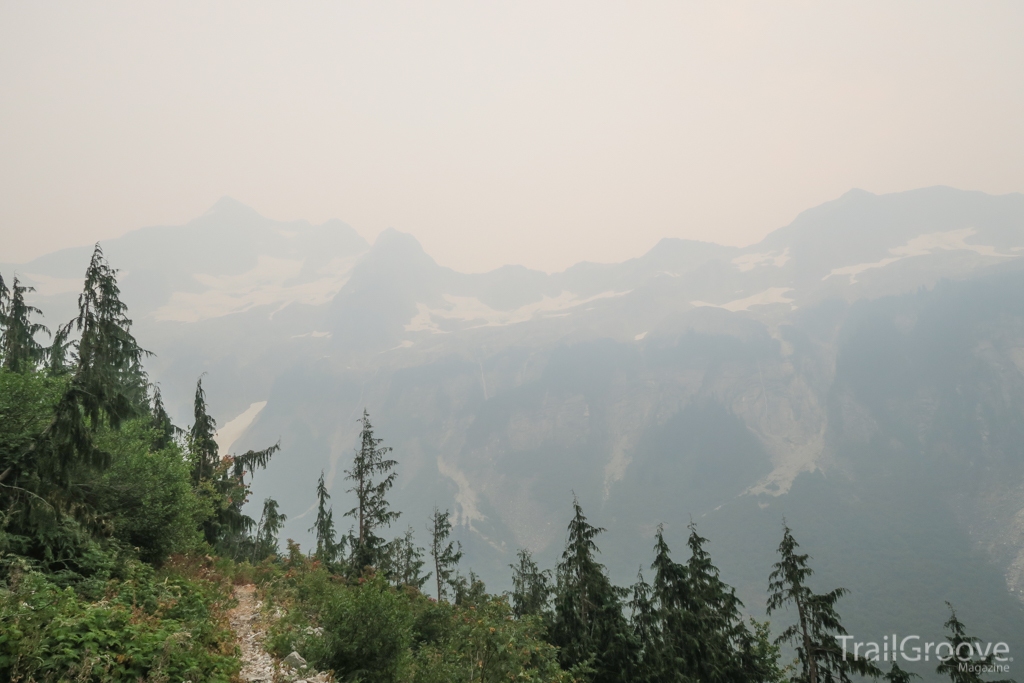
(860, 372)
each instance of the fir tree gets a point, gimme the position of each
(818, 623)
(18, 346)
(165, 429)
(109, 359)
(202, 444)
(672, 648)
(265, 543)
(372, 476)
(962, 667)
(898, 675)
(531, 587)
(106, 387)
(222, 480)
(327, 548)
(405, 562)
(446, 554)
(588, 625)
(57, 354)
(643, 623)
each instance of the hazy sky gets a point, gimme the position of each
(541, 133)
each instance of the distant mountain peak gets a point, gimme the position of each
(230, 206)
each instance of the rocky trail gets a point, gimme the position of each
(258, 665)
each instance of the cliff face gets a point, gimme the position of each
(860, 372)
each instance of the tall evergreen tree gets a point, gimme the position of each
(818, 623)
(372, 476)
(327, 548)
(952, 665)
(531, 587)
(18, 346)
(446, 554)
(588, 625)
(643, 623)
(165, 429)
(202, 443)
(57, 363)
(405, 562)
(107, 386)
(222, 480)
(265, 543)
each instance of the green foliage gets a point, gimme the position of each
(372, 476)
(221, 482)
(366, 630)
(146, 494)
(485, 643)
(531, 587)
(271, 521)
(143, 625)
(951, 665)
(589, 626)
(328, 549)
(446, 553)
(404, 562)
(19, 350)
(818, 623)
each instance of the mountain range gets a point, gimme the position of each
(859, 372)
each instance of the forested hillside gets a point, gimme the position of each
(122, 535)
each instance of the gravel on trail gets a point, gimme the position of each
(250, 627)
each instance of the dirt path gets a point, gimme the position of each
(257, 664)
(250, 628)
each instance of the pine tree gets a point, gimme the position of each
(327, 548)
(57, 354)
(405, 562)
(107, 386)
(372, 476)
(446, 553)
(222, 479)
(202, 444)
(951, 665)
(898, 675)
(588, 625)
(531, 587)
(818, 623)
(165, 429)
(18, 346)
(643, 623)
(265, 543)
(109, 359)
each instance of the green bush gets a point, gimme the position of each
(146, 627)
(148, 494)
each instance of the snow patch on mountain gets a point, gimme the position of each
(922, 245)
(773, 295)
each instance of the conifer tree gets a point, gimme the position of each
(898, 675)
(588, 625)
(405, 562)
(57, 354)
(962, 646)
(446, 554)
(327, 548)
(372, 476)
(818, 623)
(265, 543)
(531, 587)
(166, 431)
(671, 648)
(643, 623)
(202, 444)
(18, 346)
(106, 387)
(221, 479)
